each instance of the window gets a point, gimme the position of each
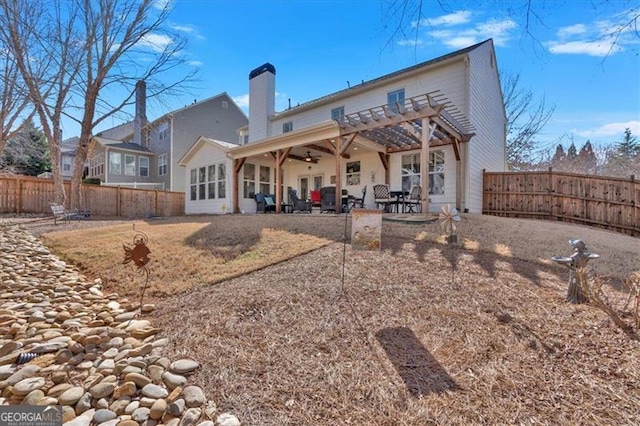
(225, 105)
(265, 183)
(393, 97)
(162, 164)
(436, 172)
(287, 127)
(163, 131)
(96, 165)
(66, 163)
(249, 180)
(129, 165)
(202, 188)
(143, 164)
(193, 187)
(211, 182)
(337, 113)
(115, 163)
(411, 171)
(222, 177)
(353, 173)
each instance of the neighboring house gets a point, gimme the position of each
(374, 132)
(68, 156)
(145, 154)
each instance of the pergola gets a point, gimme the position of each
(420, 122)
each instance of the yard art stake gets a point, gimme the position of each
(448, 216)
(139, 255)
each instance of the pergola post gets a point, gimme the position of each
(426, 134)
(338, 175)
(281, 156)
(237, 165)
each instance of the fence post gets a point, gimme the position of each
(156, 204)
(18, 195)
(635, 201)
(118, 201)
(552, 191)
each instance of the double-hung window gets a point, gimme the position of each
(249, 180)
(115, 163)
(411, 171)
(129, 165)
(193, 185)
(265, 183)
(162, 164)
(222, 176)
(337, 113)
(394, 98)
(211, 181)
(287, 127)
(143, 166)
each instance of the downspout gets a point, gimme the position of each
(106, 165)
(171, 161)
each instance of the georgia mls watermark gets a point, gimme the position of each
(30, 415)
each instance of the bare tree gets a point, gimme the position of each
(82, 58)
(40, 36)
(14, 100)
(526, 118)
(125, 42)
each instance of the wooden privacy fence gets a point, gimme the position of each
(32, 195)
(606, 202)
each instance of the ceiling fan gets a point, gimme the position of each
(311, 158)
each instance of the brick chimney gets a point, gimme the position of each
(140, 119)
(262, 101)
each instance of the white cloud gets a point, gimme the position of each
(591, 48)
(195, 63)
(157, 42)
(456, 18)
(499, 30)
(162, 4)
(611, 129)
(599, 38)
(412, 43)
(242, 100)
(572, 30)
(185, 28)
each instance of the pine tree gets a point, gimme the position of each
(587, 159)
(28, 152)
(558, 158)
(629, 147)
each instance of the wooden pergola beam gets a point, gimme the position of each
(325, 150)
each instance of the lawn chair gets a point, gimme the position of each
(264, 203)
(60, 213)
(358, 203)
(299, 205)
(413, 204)
(382, 196)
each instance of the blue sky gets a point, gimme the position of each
(318, 47)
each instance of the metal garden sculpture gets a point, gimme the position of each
(577, 263)
(139, 256)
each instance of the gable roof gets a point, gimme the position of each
(127, 146)
(199, 143)
(367, 85)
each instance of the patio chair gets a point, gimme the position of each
(359, 202)
(413, 204)
(299, 205)
(382, 197)
(328, 197)
(316, 198)
(264, 203)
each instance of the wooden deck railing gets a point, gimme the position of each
(606, 202)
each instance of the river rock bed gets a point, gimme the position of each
(64, 342)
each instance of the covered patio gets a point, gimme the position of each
(422, 122)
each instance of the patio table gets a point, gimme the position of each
(398, 199)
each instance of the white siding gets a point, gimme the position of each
(207, 155)
(448, 78)
(487, 147)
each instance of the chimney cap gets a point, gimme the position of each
(262, 69)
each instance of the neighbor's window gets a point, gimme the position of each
(162, 164)
(129, 165)
(410, 171)
(337, 113)
(436, 172)
(265, 183)
(211, 181)
(163, 131)
(143, 165)
(287, 127)
(353, 173)
(66, 163)
(249, 189)
(222, 177)
(193, 184)
(96, 165)
(115, 163)
(393, 97)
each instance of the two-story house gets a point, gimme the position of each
(145, 154)
(438, 124)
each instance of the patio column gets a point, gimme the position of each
(281, 156)
(237, 165)
(427, 132)
(338, 176)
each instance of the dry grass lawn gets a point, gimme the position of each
(418, 333)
